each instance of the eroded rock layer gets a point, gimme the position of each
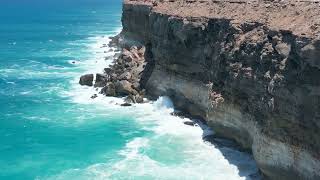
(253, 78)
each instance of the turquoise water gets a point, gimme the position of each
(50, 128)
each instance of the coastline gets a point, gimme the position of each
(161, 112)
(279, 154)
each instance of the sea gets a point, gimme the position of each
(51, 128)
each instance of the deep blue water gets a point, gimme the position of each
(50, 128)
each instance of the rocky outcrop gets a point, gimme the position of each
(123, 77)
(101, 80)
(86, 80)
(252, 74)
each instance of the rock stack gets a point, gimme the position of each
(122, 78)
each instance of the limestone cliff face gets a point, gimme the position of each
(251, 82)
(135, 20)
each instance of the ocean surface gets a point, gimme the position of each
(50, 128)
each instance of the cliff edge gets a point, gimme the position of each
(251, 69)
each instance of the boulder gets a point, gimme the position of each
(139, 98)
(189, 123)
(94, 96)
(101, 77)
(129, 99)
(125, 76)
(126, 104)
(141, 51)
(119, 61)
(101, 80)
(134, 98)
(114, 41)
(134, 52)
(86, 80)
(116, 55)
(107, 70)
(136, 85)
(283, 49)
(126, 54)
(180, 114)
(113, 76)
(124, 88)
(109, 90)
(134, 49)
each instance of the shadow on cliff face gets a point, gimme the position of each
(232, 152)
(146, 74)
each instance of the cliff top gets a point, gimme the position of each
(302, 17)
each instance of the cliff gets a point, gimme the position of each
(251, 69)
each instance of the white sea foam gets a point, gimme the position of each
(101, 57)
(36, 70)
(149, 157)
(172, 140)
(25, 92)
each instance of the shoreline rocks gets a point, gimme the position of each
(125, 104)
(189, 123)
(123, 77)
(86, 80)
(101, 80)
